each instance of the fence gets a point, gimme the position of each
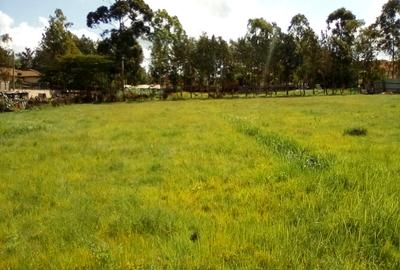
(386, 86)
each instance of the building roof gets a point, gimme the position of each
(28, 73)
(21, 73)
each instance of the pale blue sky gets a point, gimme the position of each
(25, 19)
(30, 10)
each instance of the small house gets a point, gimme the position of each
(24, 79)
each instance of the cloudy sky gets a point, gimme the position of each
(25, 20)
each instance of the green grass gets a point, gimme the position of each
(223, 184)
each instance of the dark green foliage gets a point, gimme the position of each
(356, 131)
(81, 72)
(57, 41)
(367, 51)
(121, 44)
(119, 11)
(26, 58)
(388, 25)
(212, 60)
(169, 51)
(6, 58)
(343, 26)
(194, 236)
(306, 52)
(85, 45)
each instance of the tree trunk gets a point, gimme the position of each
(393, 63)
(287, 89)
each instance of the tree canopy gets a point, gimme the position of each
(121, 43)
(388, 25)
(266, 57)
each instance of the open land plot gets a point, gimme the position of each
(287, 183)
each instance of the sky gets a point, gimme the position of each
(25, 20)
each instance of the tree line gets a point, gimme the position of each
(266, 58)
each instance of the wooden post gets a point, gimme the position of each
(13, 73)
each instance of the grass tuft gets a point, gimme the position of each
(356, 131)
(287, 149)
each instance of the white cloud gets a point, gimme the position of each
(217, 8)
(228, 18)
(43, 21)
(85, 32)
(25, 35)
(5, 22)
(220, 17)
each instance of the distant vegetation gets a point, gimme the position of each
(266, 58)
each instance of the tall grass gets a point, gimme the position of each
(225, 184)
(288, 149)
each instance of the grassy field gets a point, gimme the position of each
(279, 183)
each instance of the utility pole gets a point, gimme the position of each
(123, 76)
(13, 73)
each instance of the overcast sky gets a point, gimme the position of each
(25, 20)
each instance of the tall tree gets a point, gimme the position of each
(203, 60)
(56, 42)
(189, 72)
(288, 59)
(5, 53)
(389, 30)
(224, 64)
(263, 38)
(6, 58)
(343, 26)
(212, 60)
(367, 50)
(133, 18)
(306, 50)
(5, 61)
(168, 50)
(326, 66)
(242, 63)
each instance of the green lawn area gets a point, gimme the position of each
(268, 183)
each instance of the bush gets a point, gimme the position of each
(356, 131)
(6, 104)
